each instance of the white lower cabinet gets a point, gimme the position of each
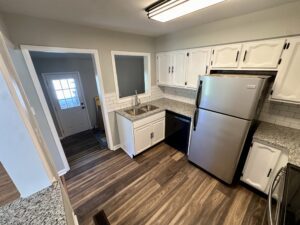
(137, 136)
(262, 164)
(142, 138)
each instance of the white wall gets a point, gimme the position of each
(84, 66)
(35, 31)
(274, 22)
(17, 151)
(40, 116)
(3, 27)
(279, 21)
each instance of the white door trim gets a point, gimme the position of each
(25, 51)
(44, 75)
(10, 78)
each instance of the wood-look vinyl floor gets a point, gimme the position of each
(157, 187)
(8, 191)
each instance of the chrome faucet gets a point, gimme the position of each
(137, 101)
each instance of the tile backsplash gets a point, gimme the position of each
(180, 94)
(273, 112)
(114, 104)
(283, 114)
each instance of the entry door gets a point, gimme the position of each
(67, 98)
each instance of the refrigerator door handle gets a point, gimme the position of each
(198, 99)
(195, 121)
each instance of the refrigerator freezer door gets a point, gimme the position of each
(231, 95)
(217, 142)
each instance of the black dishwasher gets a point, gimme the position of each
(177, 131)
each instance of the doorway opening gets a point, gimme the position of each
(68, 84)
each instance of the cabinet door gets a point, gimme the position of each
(142, 138)
(178, 68)
(259, 166)
(197, 64)
(163, 68)
(226, 56)
(262, 54)
(158, 131)
(287, 82)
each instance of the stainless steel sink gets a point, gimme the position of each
(135, 111)
(148, 108)
(140, 110)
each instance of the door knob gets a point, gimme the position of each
(83, 107)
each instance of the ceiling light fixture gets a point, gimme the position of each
(166, 10)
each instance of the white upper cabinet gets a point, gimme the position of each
(287, 83)
(261, 54)
(163, 68)
(260, 165)
(197, 64)
(178, 68)
(170, 68)
(226, 56)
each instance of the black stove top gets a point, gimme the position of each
(290, 208)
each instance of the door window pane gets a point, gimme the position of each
(64, 84)
(71, 83)
(57, 85)
(66, 93)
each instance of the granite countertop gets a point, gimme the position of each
(280, 137)
(162, 104)
(43, 207)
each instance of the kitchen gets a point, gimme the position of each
(233, 127)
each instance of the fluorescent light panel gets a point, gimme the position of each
(176, 8)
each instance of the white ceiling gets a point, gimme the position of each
(129, 15)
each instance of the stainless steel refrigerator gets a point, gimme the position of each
(226, 106)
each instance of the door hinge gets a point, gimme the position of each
(188, 54)
(271, 92)
(279, 61)
(288, 45)
(152, 135)
(206, 69)
(185, 83)
(213, 51)
(211, 62)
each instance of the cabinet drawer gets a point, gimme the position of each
(149, 119)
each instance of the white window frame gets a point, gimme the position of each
(147, 72)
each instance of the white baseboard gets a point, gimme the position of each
(116, 147)
(63, 172)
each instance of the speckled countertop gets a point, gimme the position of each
(163, 104)
(281, 138)
(44, 207)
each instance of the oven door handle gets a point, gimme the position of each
(272, 188)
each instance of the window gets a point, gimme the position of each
(66, 93)
(132, 73)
